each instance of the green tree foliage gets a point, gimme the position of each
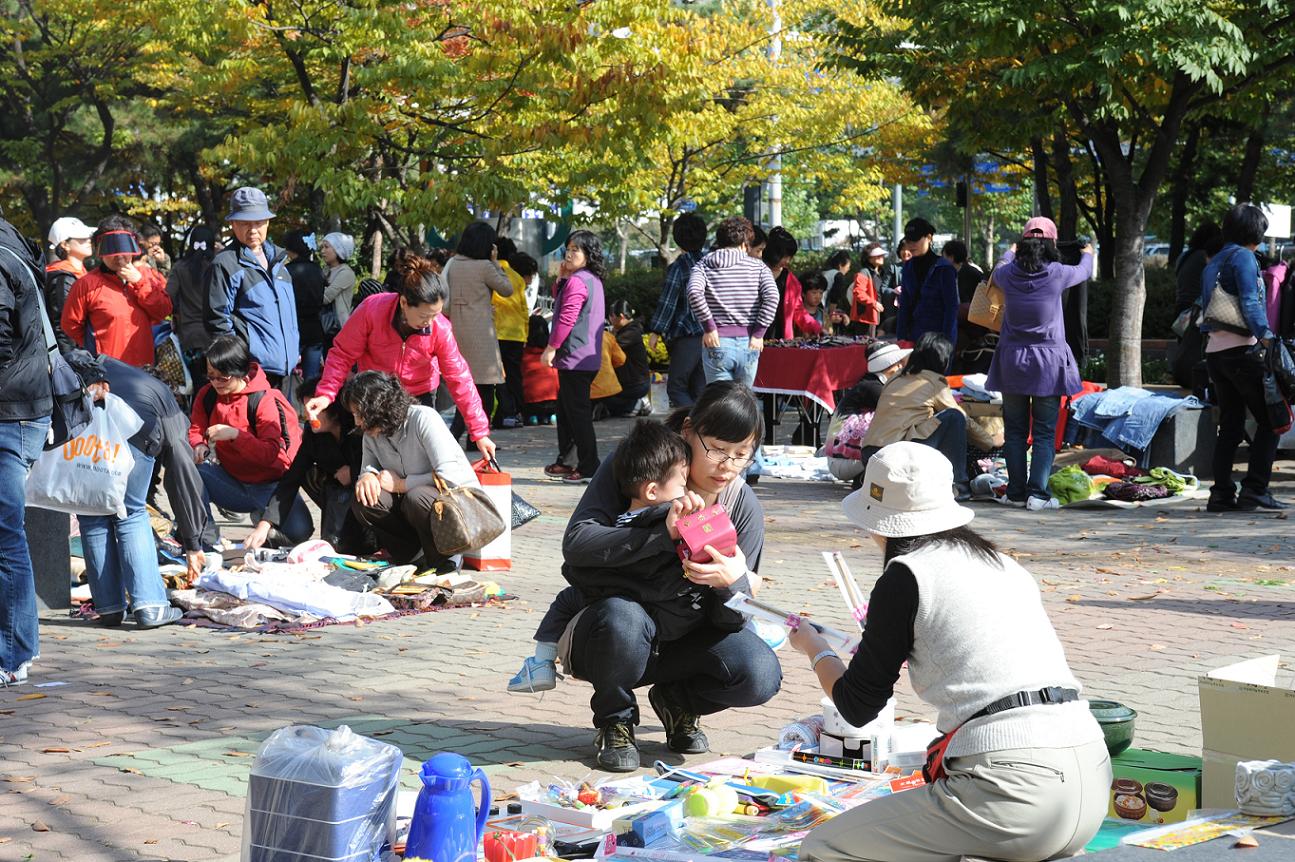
(1124, 74)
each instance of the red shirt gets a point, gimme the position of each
(122, 315)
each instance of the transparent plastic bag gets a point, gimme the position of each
(320, 795)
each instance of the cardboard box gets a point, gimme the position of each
(1246, 714)
(1152, 788)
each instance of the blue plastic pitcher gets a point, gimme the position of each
(447, 827)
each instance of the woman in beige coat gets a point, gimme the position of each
(473, 276)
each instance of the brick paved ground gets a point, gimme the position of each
(143, 754)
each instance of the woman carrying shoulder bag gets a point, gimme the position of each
(1234, 324)
(407, 449)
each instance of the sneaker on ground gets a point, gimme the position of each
(575, 477)
(617, 750)
(14, 677)
(683, 734)
(1008, 501)
(535, 675)
(1038, 504)
(511, 422)
(644, 407)
(557, 471)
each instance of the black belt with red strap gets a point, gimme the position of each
(934, 768)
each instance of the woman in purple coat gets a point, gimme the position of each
(1033, 367)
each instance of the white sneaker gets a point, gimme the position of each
(14, 677)
(1038, 504)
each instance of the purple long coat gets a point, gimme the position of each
(1032, 357)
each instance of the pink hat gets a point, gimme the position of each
(1040, 226)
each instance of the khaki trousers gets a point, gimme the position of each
(1022, 805)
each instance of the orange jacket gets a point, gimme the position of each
(864, 306)
(122, 315)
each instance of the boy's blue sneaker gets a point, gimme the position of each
(535, 675)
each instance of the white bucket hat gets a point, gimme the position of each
(885, 356)
(907, 491)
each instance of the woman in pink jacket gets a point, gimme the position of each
(406, 335)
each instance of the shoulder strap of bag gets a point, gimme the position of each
(253, 400)
(51, 344)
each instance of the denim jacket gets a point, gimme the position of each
(1237, 271)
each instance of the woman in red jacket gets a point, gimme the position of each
(120, 299)
(405, 334)
(791, 319)
(244, 435)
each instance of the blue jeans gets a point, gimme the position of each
(120, 554)
(20, 446)
(687, 377)
(228, 493)
(951, 439)
(732, 360)
(1017, 413)
(312, 361)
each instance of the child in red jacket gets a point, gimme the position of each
(539, 381)
(253, 433)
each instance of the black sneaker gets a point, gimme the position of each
(683, 734)
(617, 751)
(1221, 504)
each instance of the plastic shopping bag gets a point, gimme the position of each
(87, 475)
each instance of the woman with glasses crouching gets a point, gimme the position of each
(244, 435)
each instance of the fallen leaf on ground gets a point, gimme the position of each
(221, 825)
(55, 750)
(1144, 598)
(1247, 841)
(19, 779)
(31, 697)
(151, 841)
(61, 800)
(1157, 647)
(38, 826)
(99, 744)
(237, 754)
(1075, 598)
(1106, 626)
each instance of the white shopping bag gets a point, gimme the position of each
(87, 475)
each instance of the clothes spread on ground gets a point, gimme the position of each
(1129, 417)
(295, 589)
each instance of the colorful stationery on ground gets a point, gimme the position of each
(1198, 830)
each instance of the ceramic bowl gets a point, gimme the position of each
(1117, 722)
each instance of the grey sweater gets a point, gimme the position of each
(421, 448)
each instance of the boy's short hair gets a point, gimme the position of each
(812, 281)
(647, 454)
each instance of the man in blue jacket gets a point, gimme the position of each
(929, 300)
(249, 290)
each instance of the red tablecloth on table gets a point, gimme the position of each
(816, 373)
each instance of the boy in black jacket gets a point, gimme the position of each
(651, 469)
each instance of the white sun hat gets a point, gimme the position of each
(907, 491)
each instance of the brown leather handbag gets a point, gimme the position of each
(463, 518)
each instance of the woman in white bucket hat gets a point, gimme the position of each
(1021, 770)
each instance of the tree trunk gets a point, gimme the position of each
(1042, 194)
(622, 233)
(376, 266)
(1180, 186)
(1250, 161)
(1124, 351)
(989, 245)
(1068, 222)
